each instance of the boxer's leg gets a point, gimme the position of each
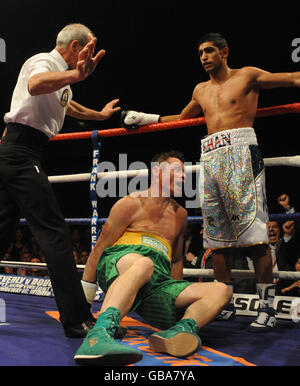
(99, 347)
(262, 261)
(202, 302)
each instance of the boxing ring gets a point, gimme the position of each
(30, 334)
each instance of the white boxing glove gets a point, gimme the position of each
(132, 119)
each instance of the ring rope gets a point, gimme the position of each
(187, 272)
(239, 273)
(261, 112)
(190, 219)
(82, 177)
(24, 264)
(283, 161)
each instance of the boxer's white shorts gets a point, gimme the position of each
(232, 190)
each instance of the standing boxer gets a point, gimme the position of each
(41, 99)
(232, 182)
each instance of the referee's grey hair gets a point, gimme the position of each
(74, 31)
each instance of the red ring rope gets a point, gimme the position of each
(261, 112)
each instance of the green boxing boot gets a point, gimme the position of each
(180, 340)
(99, 348)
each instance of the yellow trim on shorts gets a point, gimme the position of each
(147, 239)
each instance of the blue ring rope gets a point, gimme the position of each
(191, 219)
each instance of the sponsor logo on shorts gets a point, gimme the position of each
(156, 244)
(216, 142)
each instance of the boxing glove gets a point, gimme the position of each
(132, 119)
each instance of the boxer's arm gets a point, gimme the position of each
(78, 111)
(267, 80)
(117, 222)
(192, 110)
(177, 269)
(177, 257)
(133, 119)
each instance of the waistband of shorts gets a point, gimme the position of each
(25, 135)
(147, 239)
(239, 136)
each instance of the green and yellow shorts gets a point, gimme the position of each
(155, 301)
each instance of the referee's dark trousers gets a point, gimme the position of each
(26, 191)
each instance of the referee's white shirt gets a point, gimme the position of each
(43, 112)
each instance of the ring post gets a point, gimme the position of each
(95, 224)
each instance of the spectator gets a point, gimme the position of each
(195, 255)
(6, 256)
(288, 287)
(87, 238)
(77, 240)
(283, 248)
(84, 256)
(285, 202)
(25, 256)
(76, 256)
(35, 271)
(283, 245)
(283, 240)
(194, 246)
(34, 247)
(7, 270)
(42, 257)
(18, 244)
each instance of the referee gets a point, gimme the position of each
(41, 99)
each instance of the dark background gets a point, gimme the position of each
(152, 66)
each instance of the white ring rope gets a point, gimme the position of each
(187, 272)
(23, 264)
(239, 273)
(81, 177)
(109, 175)
(283, 161)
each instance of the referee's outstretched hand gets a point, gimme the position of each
(87, 63)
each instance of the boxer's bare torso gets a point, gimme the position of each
(162, 216)
(230, 103)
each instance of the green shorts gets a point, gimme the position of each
(155, 301)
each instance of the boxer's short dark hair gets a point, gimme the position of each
(216, 38)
